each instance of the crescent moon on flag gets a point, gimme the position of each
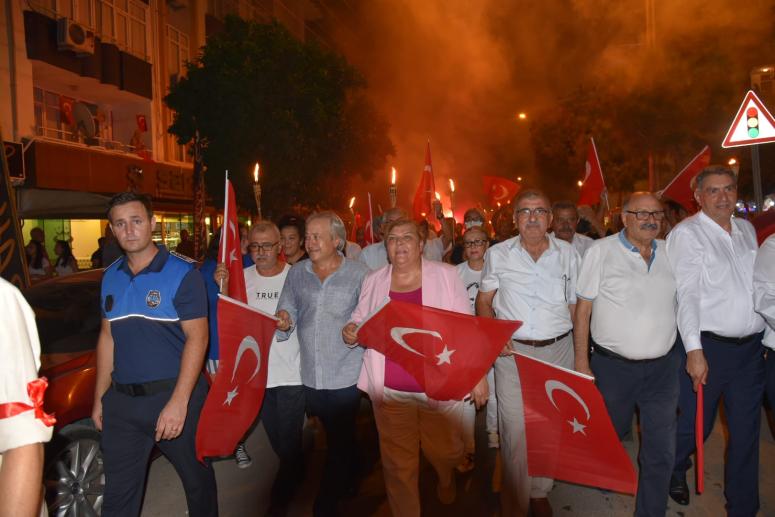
(248, 343)
(503, 194)
(398, 333)
(552, 385)
(232, 229)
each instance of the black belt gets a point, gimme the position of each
(541, 342)
(613, 355)
(146, 388)
(731, 340)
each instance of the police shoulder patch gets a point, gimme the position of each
(153, 298)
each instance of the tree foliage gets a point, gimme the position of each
(256, 94)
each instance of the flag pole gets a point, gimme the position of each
(699, 437)
(225, 221)
(371, 218)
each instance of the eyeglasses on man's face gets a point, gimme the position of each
(263, 246)
(643, 215)
(476, 243)
(524, 213)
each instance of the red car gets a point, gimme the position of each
(67, 311)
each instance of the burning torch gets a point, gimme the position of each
(257, 189)
(392, 190)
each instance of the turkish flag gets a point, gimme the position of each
(593, 184)
(568, 431)
(680, 188)
(142, 123)
(244, 336)
(446, 352)
(66, 110)
(231, 252)
(499, 190)
(423, 197)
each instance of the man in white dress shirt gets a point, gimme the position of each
(712, 255)
(764, 303)
(530, 278)
(565, 220)
(627, 289)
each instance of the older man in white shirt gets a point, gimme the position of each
(627, 288)
(530, 278)
(764, 303)
(712, 255)
(565, 220)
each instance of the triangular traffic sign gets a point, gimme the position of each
(753, 124)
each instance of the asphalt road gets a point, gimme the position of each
(245, 492)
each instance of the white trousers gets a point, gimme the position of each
(469, 415)
(517, 488)
(408, 422)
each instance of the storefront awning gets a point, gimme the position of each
(37, 203)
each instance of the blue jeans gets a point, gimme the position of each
(652, 388)
(337, 410)
(736, 372)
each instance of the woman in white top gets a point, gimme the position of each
(66, 263)
(475, 243)
(38, 265)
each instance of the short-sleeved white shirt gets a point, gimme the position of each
(20, 350)
(535, 293)
(263, 293)
(471, 280)
(633, 303)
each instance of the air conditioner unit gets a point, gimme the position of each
(73, 36)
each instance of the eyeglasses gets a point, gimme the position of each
(643, 215)
(477, 242)
(524, 213)
(263, 246)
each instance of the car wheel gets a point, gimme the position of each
(73, 475)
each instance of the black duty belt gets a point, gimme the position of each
(146, 388)
(541, 342)
(613, 355)
(725, 339)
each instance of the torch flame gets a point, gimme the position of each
(451, 185)
(438, 196)
(393, 176)
(352, 202)
(255, 172)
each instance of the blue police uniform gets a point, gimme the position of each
(145, 313)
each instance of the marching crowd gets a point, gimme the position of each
(650, 318)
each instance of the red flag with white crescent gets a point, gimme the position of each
(231, 251)
(499, 190)
(680, 188)
(568, 431)
(244, 337)
(593, 185)
(422, 207)
(446, 352)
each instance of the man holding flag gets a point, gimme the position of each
(627, 288)
(712, 255)
(149, 386)
(529, 278)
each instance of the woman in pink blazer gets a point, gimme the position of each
(407, 420)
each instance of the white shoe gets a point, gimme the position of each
(241, 456)
(493, 440)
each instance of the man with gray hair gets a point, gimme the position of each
(317, 301)
(712, 255)
(627, 290)
(529, 278)
(375, 255)
(565, 219)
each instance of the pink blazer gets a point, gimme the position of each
(441, 288)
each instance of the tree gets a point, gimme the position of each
(256, 94)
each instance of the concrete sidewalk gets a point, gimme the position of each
(245, 492)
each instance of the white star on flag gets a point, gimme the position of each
(577, 426)
(444, 356)
(230, 396)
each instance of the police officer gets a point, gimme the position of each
(149, 388)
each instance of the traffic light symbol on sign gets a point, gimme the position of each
(753, 122)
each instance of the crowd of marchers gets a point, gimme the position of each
(652, 305)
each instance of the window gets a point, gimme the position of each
(177, 53)
(124, 22)
(49, 121)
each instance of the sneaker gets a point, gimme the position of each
(493, 441)
(241, 457)
(467, 465)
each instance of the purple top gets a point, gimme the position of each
(396, 378)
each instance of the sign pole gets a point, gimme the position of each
(757, 178)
